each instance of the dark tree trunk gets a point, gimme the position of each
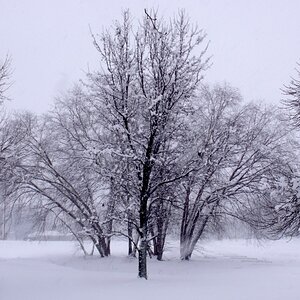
(143, 247)
(143, 211)
(143, 259)
(129, 233)
(108, 246)
(103, 246)
(154, 241)
(159, 240)
(162, 227)
(159, 227)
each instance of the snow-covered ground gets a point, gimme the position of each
(220, 270)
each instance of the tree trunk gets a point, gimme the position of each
(108, 246)
(185, 249)
(143, 247)
(102, 246)
(143, 258)
(162, 227)
(129, 233)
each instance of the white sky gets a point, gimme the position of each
(255, 44)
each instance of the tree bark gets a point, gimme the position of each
(142, 266)
(129, 232)
(143, 259)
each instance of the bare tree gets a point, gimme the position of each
(5, 72)
(12, 135)
(292, 100)
(239, 147)
(143, 94)
(59, 179)
(277, 214)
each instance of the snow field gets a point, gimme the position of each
(220, 270)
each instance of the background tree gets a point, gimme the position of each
(58, 178)
(277, 214)
(292, 100)
(239, 146)
(5, 72)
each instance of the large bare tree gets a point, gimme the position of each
(143, 93)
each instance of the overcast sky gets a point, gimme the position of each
(255, 44)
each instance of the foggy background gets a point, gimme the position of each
(254, 44)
